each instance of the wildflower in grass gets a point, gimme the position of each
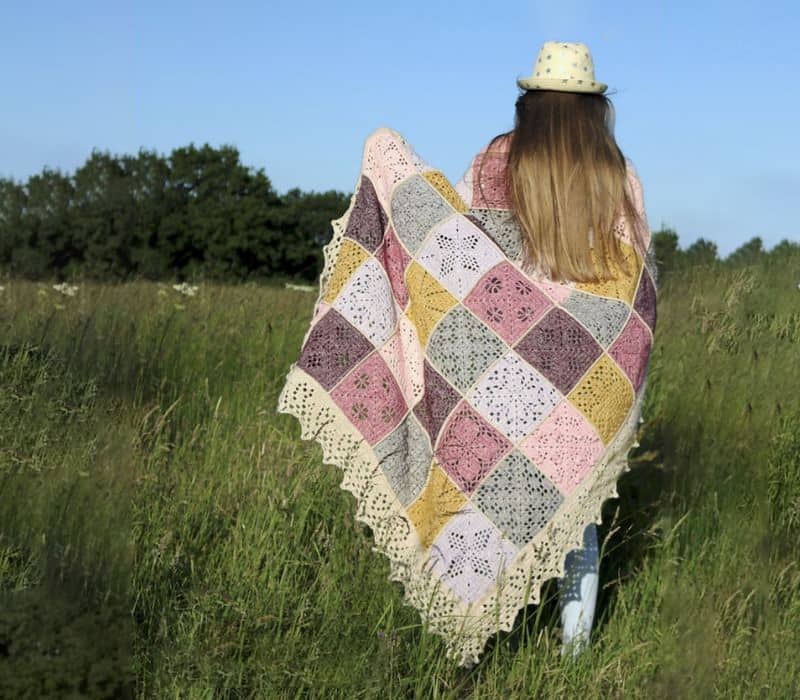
(68, 290)
(300, 287)
(185, 289)
(2, 288)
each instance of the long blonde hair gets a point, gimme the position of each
(565, 179)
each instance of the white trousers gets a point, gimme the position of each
(578, 593)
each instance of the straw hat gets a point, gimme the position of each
(563, 66)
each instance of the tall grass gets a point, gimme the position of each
(197, 546)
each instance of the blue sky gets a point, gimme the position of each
(705, 93)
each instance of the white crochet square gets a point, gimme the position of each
(366, 301)
(458, 254)
(514, 397)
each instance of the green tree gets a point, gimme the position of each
(222, 220)
(667, 251)
(748, 253)
(46, 241)
(105, 217)
(13, 202)
(307, 227)
(785, 249)
(701, 252)
(148, 177)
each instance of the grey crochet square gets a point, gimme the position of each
(462, 347)
(518, 498)
(604, 318)
(405, 457)
(501, 227)
(416, 207)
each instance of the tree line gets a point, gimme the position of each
(670, 256)
(200, 212)
(196, 212)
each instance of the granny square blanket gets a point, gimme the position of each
(480, 415)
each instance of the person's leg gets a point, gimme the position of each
(578, 593)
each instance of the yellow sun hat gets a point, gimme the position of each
(564, 66)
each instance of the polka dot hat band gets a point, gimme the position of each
(563, 66)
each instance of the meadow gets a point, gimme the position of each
(165, 533)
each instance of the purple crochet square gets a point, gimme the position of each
(367, 221)
(560, 348)
(333, 347)
(437, 402)
(645, 303)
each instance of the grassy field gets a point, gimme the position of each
(164, 533)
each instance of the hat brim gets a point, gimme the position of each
(563, 85)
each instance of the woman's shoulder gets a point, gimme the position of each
(634, 185)
(500, 145)
(633, 177)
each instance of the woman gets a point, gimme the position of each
(563, 136)
(477, 357)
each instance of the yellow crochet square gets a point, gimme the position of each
(348, 260)
(604, 396)
(439, 180)
(439, 501)
(623, 286)
(428, 300)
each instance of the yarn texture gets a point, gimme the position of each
(480, 415)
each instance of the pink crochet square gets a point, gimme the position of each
(371, 399)
(632, 350)
(492, 180)
(394, 258)
(507, 302)
(469, 447)
(404, 359)
(557, 292)
(387, 160)
(320, 311)
(564, 447)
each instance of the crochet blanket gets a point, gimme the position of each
(480, 416)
